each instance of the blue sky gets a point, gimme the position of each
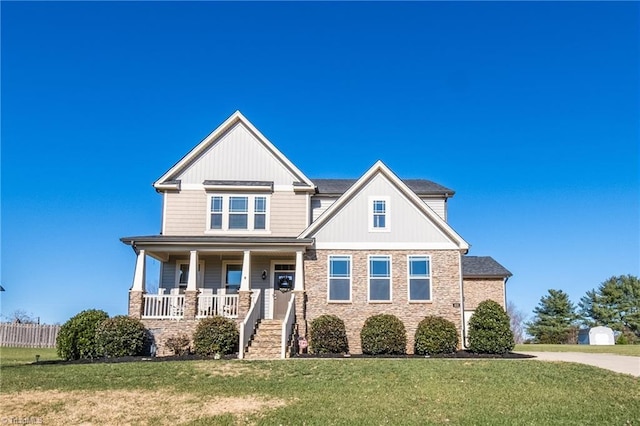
(528, 110)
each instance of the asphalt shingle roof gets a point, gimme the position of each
(419, 186)
(483, 266)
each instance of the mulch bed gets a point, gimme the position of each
(193, 357)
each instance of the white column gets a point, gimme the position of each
(139, 274)
(246, 271)
(299, 277)
(192, 279)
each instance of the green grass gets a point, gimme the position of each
(15, 356)
(632, 350)
(361, 391)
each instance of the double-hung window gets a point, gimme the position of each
(216, 212)
(379, 278)
(260, 213)
(378, 214)
(339, 279)
(419, 278)
(238, 212)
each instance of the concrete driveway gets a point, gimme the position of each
(618, 363)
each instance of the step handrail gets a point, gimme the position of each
(287, 326)
(249, 322)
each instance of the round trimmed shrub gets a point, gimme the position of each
(77, 337)
(120, 336)
(489, 329)
(328, 335)
(216, 335)
(436, 335)
(383, 334)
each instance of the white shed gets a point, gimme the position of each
(601, 336)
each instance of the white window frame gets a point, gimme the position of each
(223, 279)
(429, 276)
(329, 277)
(199, 279)
(369, 277)
(251, 213)
(387, 213)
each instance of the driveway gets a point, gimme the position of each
(618, 363)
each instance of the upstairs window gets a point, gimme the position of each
(419, 278)
(378, 214)
(238, 212)
(260, 213)
(216, 212)
(379, 278)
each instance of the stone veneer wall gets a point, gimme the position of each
(445, 291)
(477, 290)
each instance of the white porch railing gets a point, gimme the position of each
(225, 305)
(163, 306)
(250, 321)
(287, 325)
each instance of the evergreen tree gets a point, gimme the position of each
(615, 304)
(554, 318)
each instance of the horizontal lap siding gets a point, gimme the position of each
(288, 214)
(185, 212)
(445, 289)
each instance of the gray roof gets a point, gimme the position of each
(217, 239)
(419, 186)
(238, 182)
(483, 266)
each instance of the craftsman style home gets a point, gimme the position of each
(246, 235)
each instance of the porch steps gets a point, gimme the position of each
(266, 341)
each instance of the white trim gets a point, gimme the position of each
(429, 276)
(251, 200)
(200, 279)
(384, 246)
(329, 256)
(462, 308)
(241, 188)
(380, 168)
(223, 279)
(234, 119)
(387, 213)
(164, 213)
(389, 258)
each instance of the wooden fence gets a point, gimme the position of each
(28, 335)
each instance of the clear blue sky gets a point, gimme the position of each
(528, 110)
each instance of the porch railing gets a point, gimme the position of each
(287, 325)
(250, 321)
(225, 305)
(163, 306)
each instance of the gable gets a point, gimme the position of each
(412, 224)
(235, 151)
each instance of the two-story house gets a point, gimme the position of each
(245, 234)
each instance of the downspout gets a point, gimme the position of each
(463, 325)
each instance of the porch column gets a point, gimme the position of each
(136, 294)
(244, 293)
(299, 276)
(191, 292)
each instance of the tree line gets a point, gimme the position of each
(615, 304)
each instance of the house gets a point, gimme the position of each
(247, 235)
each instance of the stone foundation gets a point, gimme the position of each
(136, 304)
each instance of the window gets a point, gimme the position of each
(238, 213)
(339, 278)
(379, 278)
(378, 214)
(419, 278)
(182, 274)
(238, 209)
(216, 212)
(260, 213)
(232, 278)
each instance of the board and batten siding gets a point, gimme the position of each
(238, 155)
(185, 213)
(320, 204)
(407, 224)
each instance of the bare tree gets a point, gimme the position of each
(20, 316)
(517, 319)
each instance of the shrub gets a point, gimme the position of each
(436, 335)
(178, 344)
(627, 337)
(383, 334)
(489, 330)
(76, 338)
(328, 335)
(216, 335)
(120, 336)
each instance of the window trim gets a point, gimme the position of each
(429, 276)
(387, 213)
(199, 278)
(390, 277)
(251, 213)
(348, 256)
(223, 279)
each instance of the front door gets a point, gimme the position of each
(283, 279)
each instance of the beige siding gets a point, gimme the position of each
(185, 212)
(238, 155)
(407, 224)
(319, 205)
(437, 205)
(288, 214)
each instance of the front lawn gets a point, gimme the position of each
(14, 356)
(632, 350)
(320, 392)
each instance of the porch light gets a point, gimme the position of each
(264, 274)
